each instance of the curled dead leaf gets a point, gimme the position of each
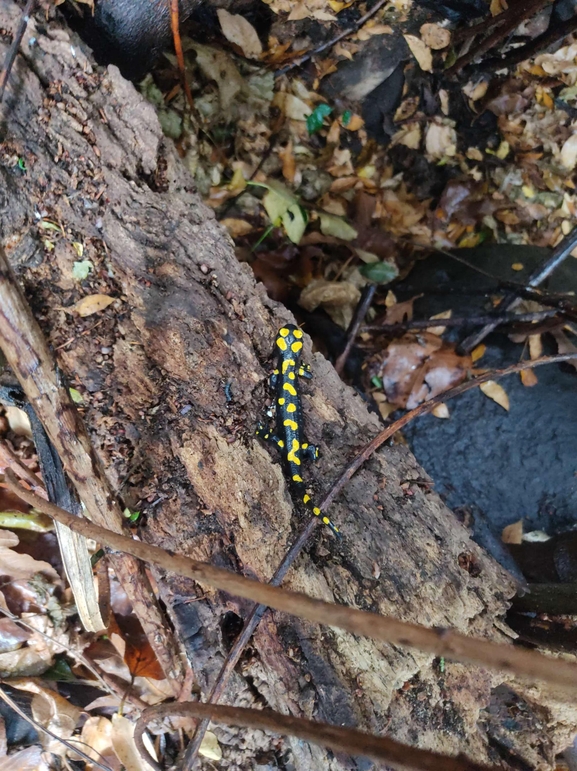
(421, 52)
(240, 31)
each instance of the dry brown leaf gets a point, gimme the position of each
(435, 36)
(528, 378)
(440, 140)
(236, 227)
(421, 52)
(240, 31)
(122, 737)
(495, 392)
(20, 566)
(288, 161)
(93, 303)
(385, 407)
(513, 533)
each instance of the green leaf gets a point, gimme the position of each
(131, 516)
(346, 118)
(277, 200)
(316, 118)
(337, 227)
(284, 209)
(379, 272)
(82, 269)
(60, 672)
(76, 396)
(377, 382)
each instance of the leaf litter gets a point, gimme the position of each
(319, 209)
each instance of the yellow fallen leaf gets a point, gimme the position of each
(495, 392)
(421, 52)
(528, 378)
(93, 303)
(478, 352)
(441, 411)
(517, 266)
(535, 347)
(439, 330)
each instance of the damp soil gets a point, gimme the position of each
(510, 465)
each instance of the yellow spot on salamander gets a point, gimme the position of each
(317, 511)
(283, 332)
(286, 364)
(276, 372)
(280, 443)
(291, 424)
(281, 344)
(291, 375)
(304, 445)
(297, 478)
(291, 408)
(282, 400)
(296, 346)
(326, 520)
(306, 498)
(290, 388)
(292, 457)
(298, 334)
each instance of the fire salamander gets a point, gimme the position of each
(289, 420)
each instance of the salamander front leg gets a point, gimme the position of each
(264, 433)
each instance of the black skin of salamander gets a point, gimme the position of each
(289, 436)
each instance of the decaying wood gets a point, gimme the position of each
(189, 329)
(25, 350)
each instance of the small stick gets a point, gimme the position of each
(505, 318)
(9, 458)
(13, 50)
(445, 642)
(424, 409)
(551, 263)
(258, 611)
(175, 27)
(359, 316)
(336, 738)
(528, 8)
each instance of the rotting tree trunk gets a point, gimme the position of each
(157, 368)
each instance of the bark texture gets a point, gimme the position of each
(174, 378)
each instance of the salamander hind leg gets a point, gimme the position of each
(309, 451)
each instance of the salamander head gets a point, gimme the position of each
(290, 340)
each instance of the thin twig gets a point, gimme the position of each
(177, 41)
(9, 458)
(256, 614)
(437, 641)
(336, 738)
(358, 317)
(504, 318)
(330, 43)
(543, 271)
(517, 15)
(555, 34)
(13, 51)
(424, 409)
